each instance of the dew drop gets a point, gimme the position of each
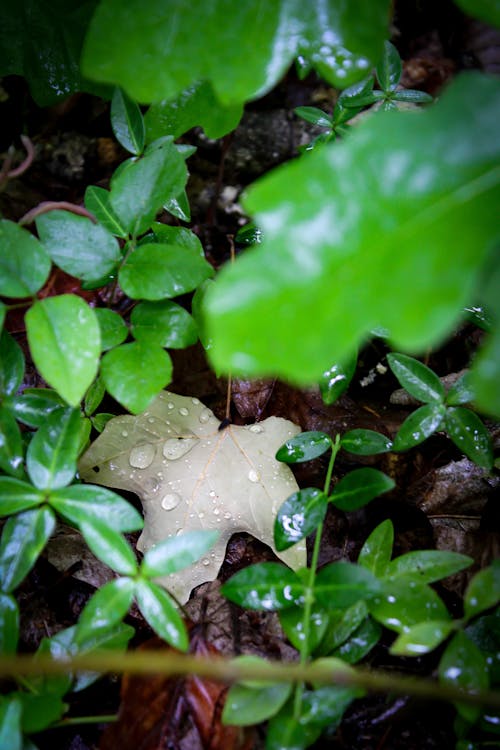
(216, 511)
(205, 416)
(227, 516)
(205, 561)
(195, 401)
(256, 428)
(212, 494)
(170, 501)
(179, 532)
(170, 405)
(142, 456)
(151, 420)
(253, 475)
(124, 433)
(175, 448)
(183, 411)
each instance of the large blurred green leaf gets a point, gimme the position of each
(242, 48)
(486, 10)
(388, 228)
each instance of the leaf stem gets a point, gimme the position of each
(75, 720)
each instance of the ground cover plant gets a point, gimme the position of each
(369, 256)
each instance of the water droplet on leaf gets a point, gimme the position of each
(142, 456)
(171, 501)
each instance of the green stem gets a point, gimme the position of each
(75, 720)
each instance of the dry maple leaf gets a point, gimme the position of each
(190, 475)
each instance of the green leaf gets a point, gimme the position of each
(24, 262)
(365, 442)
(196, 105)
(315, 116)
(376, 552)
(80, 503)
(242, 59)
(127, 122)
(336, 379)
(470, 435)
(40, 711)
(109, 546)
(11, 445)
(245, 706)
(342, 625)
(52, 453)
(485, 373)
(390, 68)
(112, 326)
(99, 421)
(422, 638)
(428, 565)
(292, 622)
(461, 392)
(179, 236)
(416, 428)
(161, 613)
(155, 271)
(359, 487)
(285, 732)
(134, 373)
(3, 309)
(10, 722)
(304, 447)
(94, 397)
(11, 365)
(163, 324)
(34, 405)
(483, 591)
(23, 538)
(64, 340)
(486, 10)
(97, 201)
(360, 643)
(16, 496)
(372, 214)
(463, 665)
(107, 607)
(418, 379)
(9, 624)
(413, 96)
(402, 603)
(77, 245)
(179, 206)
(341, 584)
(176, 553)
(325, 706)
(267, 586)
(299, 516)
(142, 186)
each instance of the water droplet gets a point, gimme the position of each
(170, 501)
(195, 401)
(205, 561)
(179, 532)
(253, 475)
(227, 516)
(142, 456)
(151, 420)
(216, 511)
(205, 416)
(183, 411)
(175, 448)
(170, 405)
(124, 433)
(212, 494)
(256, 428)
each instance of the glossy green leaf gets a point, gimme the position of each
(64, 340)
(155, 271)
(286, 732)
(11, 365)
(267, 586)
(421, 423)
(16, 495)
(245, 706)
(10, 722)
(11, 445)
(484, 631)
(166, 234)
(342, 623)
(376, 552)
(360, 642)
(176, 553)
(3, 309)
(249, 234)
(365, 442)
(315, 116)
(292, 622)
(390, 68)
(128, 123)
(342, 584)
(372, 214)
(134, 374)
(161, 613)
(402, 603)
(484, 375)
(486, 10)
(299, 516)
(428, 565)
(40, 711)
(112, 327)
(470, 435)
(336, 379)
(163, 324)
(141, 187)
(483, 590)
(109, 546)
(52, 453)
(9, 624)
(34, 405)
(77, 245)
(304, 447)
(179, 206)
(23, 538)
(195, 106)
(242, 59)
(463, 665)
(461, 392)
(97, 201)
(107, 607)
(359, 487)
(413, 96)
(418, 379)
(422, 638)
(325, 706)
(24, 262)
(79, 503)
(94, 396)
(99, 421)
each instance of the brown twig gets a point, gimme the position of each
(47, 206)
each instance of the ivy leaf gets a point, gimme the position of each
(191, 476)
(365, 442)
(107, 607)
(304, 447)
(16, 496)
(10, 722)
(422, 638)
(34, 405)
(421, 423)
(9, 624)
(24, 262)
(464, 665)
(396, 189)
(109, 546)
(299, 516)
(11, 365)
(245, 705)
(176, 553)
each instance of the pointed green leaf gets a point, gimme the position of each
(11, 445)
(24, 262)
(315, 116)
(341, 584)
(304, 447)
(163, 324)
(483, 591)
(40, 711)
(428, 565)
(112, 326)
(463, 665)
(486, 10)
(34, 405)
(245, 706)
(402, 603)
(9, 624)
(94, 396)
(485, 373)
(11, 365)
(342, 625)
(286, 732)
(376, 552)
(179, 206)
(299, 516)
(10, 722)
(80, 503)
(418, 379)
(461, 392)
(23, 538)
(128, 123)
(64, 340)
(325, 706)
(176, 553)
(292, 622)
(470, 435)
(336, 379)
(390, 68)
(360, 642)
(52, 452)
(107, 607)
(359, 487)
(267, 586)
(161, 613)
(422, 638)
(365, 442)
(16, 495)
(97, 201)
(416, 428)
(109, 546)
(413, 96)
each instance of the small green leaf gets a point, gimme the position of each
(23, 538)
(11, 365)
(416, 428)
(64, 340)
(360, 643)
(127, 122)
(267, 586)
(299, 516)
(342, 625)
(483, 591)
(107, 607)
(249, 234)
(402, 603)
(336, 379)
(486, 10)
(461, 392)
(365, 442)
(99, 421)
(376, 552)
(341, 584)
(463, 665)
(135, 373)
(163, 324)
(80, 503)
(97, 201)
(24, 262)
(413, 96)
(315, 116)
(11, 445)
(359, 487)
(40, 711)
(389, 70)
(286, 732)
(93, 397)
(325, 706)
(77, 245)
(109, 546)
(485, 372)
(245, 706)
(304, 447)
(418, 379)
(161, 613)
(165, 234)
(179, 206)
(52, 453)
(34, 405)
(428, 565)
(470, 435)
(112, 326)
(177, 552)
(422, 638)
(16, 496)
(292, 622)
(9, 625)
(10, 722)
(156, 271)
